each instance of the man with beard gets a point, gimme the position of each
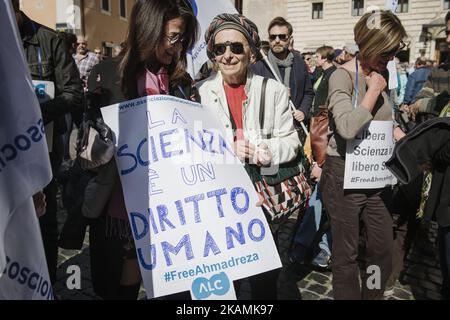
(289, 66)
(58, 88)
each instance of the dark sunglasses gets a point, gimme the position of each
(282, 37)
(235, 47)
(395, 51)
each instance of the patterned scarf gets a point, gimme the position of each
(286, 64)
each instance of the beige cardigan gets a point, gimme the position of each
(346, 121)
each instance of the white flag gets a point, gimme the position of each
(205, 11)
(391, 5)
(24, 170)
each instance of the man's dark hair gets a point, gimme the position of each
(281, 22)
(447, 17)
(69, 39)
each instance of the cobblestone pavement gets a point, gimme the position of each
(421, 278)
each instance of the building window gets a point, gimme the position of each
(105, 6)
(357, 8)
(317, 10)
(123, 9)
(446, 4)
(238, 5)
(402, 6)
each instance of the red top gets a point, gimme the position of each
(236, 97)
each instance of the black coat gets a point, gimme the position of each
(427, 144)
(57, 65)
(322, 91)
(302, 93)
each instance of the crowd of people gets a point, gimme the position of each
(348, 84)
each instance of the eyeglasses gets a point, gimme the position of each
(235, 47)
(282, 37)
(174, 39)
(395, 51)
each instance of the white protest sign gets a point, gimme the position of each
(45, 91)
(205, 11)
(24, 170)
(191, 204)
(393, 79)
(366, 156)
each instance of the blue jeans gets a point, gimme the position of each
(444, 251)
(311, 223)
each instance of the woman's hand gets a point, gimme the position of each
(413, 110)
(263, 156)
(39, 204)
(375, 82)
(244, 149)
(316, 172)
(398, 133)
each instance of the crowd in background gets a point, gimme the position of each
(349, 84)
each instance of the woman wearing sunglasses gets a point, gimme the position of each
(153, 61)
(358, 95)
(234, 94)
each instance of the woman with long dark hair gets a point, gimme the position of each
(153, 61)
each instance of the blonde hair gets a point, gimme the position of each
(377, 33)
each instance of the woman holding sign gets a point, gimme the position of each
(355, 180)
(152, 62)
(235, 94)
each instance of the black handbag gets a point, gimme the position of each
(287, 190)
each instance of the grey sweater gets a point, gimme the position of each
(346, 121)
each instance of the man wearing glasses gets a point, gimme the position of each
(289, 66)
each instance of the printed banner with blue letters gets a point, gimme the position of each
(191, 204)
(24, 170)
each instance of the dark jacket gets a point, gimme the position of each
(428, 143)
(415, 83)
(57, 66)
(321, 96)
(302, 93)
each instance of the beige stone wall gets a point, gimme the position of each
(336, 27)
(261, 12)
(41, 11)
(103, 27)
